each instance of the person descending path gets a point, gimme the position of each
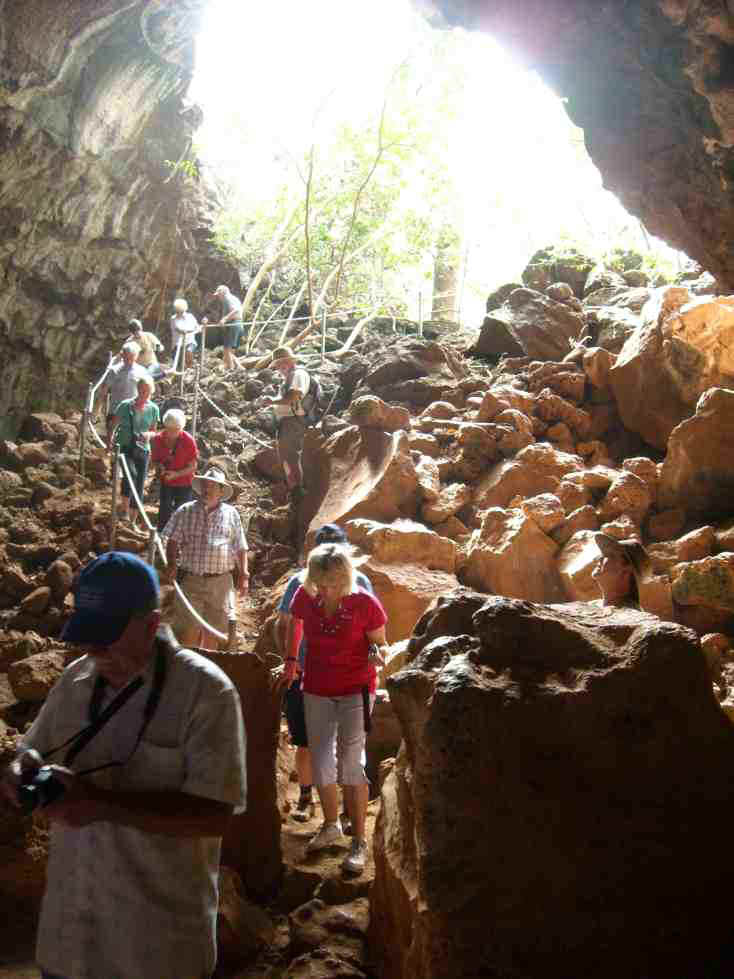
(290, 413)
(136, 420)
(174, 453)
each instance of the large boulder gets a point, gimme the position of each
(510, 555)
(698, 470)
(406, 591)
(510, 825)
(535, 469)
(680, 350)
(541, 327)
(403, 542)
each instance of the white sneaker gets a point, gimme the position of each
(355, 860)
(329, 834)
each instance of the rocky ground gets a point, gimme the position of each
(459, 465)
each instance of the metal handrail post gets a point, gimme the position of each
(323, 335)
(183, 369)
(85, 425)
(420, 314)
(203, 348)
(115, 486)
(195, 409)
(151, 547)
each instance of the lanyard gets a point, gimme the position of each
(98, 718)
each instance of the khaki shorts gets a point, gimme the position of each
(213, 599)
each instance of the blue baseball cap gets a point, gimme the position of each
(330, 533)
(107, 593)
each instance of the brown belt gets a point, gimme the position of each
(207, 574)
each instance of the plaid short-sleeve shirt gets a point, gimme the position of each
(209, 540)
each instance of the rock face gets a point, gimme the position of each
(547, 787)
(655, 106)
(698, 471)
(91, 108)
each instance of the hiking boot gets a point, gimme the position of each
(328, 835)
(355, 860)
(305, 808)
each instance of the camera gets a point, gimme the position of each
(38, 787)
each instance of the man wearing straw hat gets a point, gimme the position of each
(206, 551)
(290, 413)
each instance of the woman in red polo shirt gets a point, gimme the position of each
(174, 452)
(339, 623)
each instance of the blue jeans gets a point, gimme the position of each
(172, 497)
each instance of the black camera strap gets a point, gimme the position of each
(98, 717)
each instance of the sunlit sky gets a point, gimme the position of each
(280, 64)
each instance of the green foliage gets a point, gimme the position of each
(188, 169)
(380, 186)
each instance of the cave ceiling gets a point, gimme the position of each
(651, 83)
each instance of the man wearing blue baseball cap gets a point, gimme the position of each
(153, 749)
(295, 716)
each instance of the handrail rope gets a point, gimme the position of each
(159, 544)
(231, 420)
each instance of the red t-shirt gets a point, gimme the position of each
(176, 456)
(337, 647)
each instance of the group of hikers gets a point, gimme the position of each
(328, 608)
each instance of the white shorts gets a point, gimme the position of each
(336, 738)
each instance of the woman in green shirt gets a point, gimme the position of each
(136, 420)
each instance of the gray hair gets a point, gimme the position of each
(131, 347)
(174, 415)
(180, 305)
(148, 381)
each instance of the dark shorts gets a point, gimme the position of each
(232, 336)
(295, 716)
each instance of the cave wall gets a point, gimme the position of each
(651, 83)
(94, 225)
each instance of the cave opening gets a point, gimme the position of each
(479, 166)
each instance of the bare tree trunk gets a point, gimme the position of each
(446, 263)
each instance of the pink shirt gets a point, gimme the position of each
(337, 647)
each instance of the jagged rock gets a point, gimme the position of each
(697, 544)
(490, 407)
(242, 927)
(322, 964)
(407, 361)
(406, 591)
(510, 555)
(360, 473)
(14, 582)
(623, 528)
(646, 470)
(725, 537)
(602, 279)
(16, 646)
(552, 407)
(425, 444)
(597, 363)
(449, 501)
(372, 412)
(423, 391)
(655, 372)
(10, 482)
(454, 529)
(32, 678)
(698, 470)
(546, 510)
(403, 542)
(576, 562)
(562, 378)
(594, 453)
(342, 929)
(438, 409)
(266, 463)
(429, 478)
(37, 601)
(560, 291)
(385, 735)
(583, 518)
(553, 697)
(562, 438)
(708, 582)
(666, 525)
(550, 265)
(541, 327)
(535, 469)
(627, 496)
(59, 578)
(478, 446)
(396, 657)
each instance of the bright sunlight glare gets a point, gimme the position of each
(274, 78)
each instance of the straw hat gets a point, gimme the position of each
(212, 476)
(631, 550)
